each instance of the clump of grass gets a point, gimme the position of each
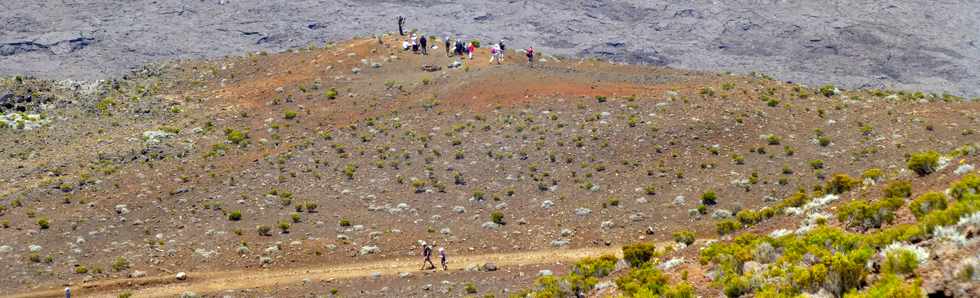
(235, 215)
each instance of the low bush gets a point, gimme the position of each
(263, 230)
(899, 261)
(235, 215)
(924, 163)
(638, 254)
(684, 236)
(861, 213)
(926, 203)
(709, 198)
(897, 189)
(727, 226)
(497, 217)
(841, 183)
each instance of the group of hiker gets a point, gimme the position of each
(427, 255)
(420, 44)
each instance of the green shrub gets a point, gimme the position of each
(860, 213)
(824, 141)
(120, 264)
(897, 189)
(43, 223)
(469, 288)
(81, 269)
(330, 93)
(827, 90)
(263, 230)
(924, 163)
(289, 115)
(709, 198)
(235, 216)
(648, 281)
(600, 98)
(872, 173)
(969, 185)
(497, 217)
(891, 286)
(295, 217)
(284, 226)
(727, 226)
(816, 164)
(899, 261)
(684, 236)
(927, 202)
(773, 139)
(235, 136)
(638, 254)
(736, 286)
(344, 222)
(841, 183)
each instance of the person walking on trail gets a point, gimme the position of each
(448, 46)
(67, 292)
(442, 259)
(423, 45)
(503, 50)
(415, 44)
(401, 23)
(530, 56)
(459, 47)
(427, 253)
(495, 53)
(470, 49)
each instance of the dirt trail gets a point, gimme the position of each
(211, 282)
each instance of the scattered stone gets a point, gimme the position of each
(637, 217)
(547, 204)
(582, 211)
(545, 272)
(404, 274)
(490, 225)
(189, 294)
(34, 248)
(370, 249)
(489, 267)
(559, 243)
(607, 225)
(566, 232)
(963, 169)
(137, 274)
(181, 276)
(721, 214)
(355, 70)
(679, 201)
(375, 275)
(459, 209)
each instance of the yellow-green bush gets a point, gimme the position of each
(727, 226)
(968, 186)
(685, 236)
(890, 286)
(899, 261)
(841, 183)
(638, 254)
(861, 213)
(927, 202)
(897, 189)
(924, 163)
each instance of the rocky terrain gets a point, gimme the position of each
(321, 169)
(914, 45)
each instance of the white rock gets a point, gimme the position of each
(582, 211)
(963, 169)
(181, 276)
(547, 204)
(545, 272)
(370, 249)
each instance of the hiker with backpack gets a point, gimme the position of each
(442, 259)
(423, 45)
(459, 47)
(448, 47)
(496, 53)
(530, 56)
(470, 49)
(427, 254)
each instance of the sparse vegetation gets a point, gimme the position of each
(924, 163)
